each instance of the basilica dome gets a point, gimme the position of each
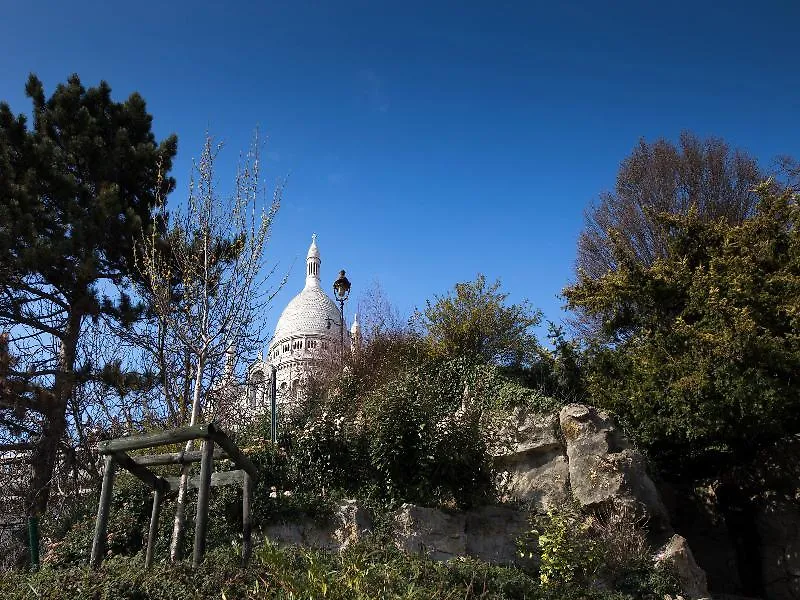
(310, 323)
(307, 313)
(308, 336)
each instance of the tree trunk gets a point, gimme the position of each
(54, 421)
(178, 526)
(739, 511)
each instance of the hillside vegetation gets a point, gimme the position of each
(118, 316)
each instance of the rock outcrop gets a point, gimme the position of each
(349, 524)
(491, 533)
(603, 468)
(677, 555)
(488, 533)
(538, 473)
(579, 452)
(548, 459)
(430, 531)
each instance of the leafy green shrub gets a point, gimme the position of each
(363, 571)
(406, 439)
(129, 517)
(427, 439)
(579, 549)
(569, 554)
(327, 453)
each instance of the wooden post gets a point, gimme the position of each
(101, 525)
(247, 491)
(158, 494)
(33, 541)
(204, 490)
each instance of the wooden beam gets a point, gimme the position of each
(175, 458)
(203, 495)
(156, 438)
(218, 479)
(233, 452)
(146, 475)
(103, 508)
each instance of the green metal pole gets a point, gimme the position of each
(33, 541)
(341, 341)
(273, 432)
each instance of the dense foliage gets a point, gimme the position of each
(362, 572)
(475, 321)
(435, 414)
(701, 348)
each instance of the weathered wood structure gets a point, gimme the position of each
(116, 454)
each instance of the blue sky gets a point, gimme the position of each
(428, 141)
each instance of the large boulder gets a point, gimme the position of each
(697, 514)
(348, 524)
(489, 533)
(300, 533)
(677, 556)
(534, 460)
(352, 523)
(532, 432)
(492, 532)
(430, 531)
(604, 469)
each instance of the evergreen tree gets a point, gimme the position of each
(76, 190)
(476, 322)
(700, 350)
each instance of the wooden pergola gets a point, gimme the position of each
(116, 453)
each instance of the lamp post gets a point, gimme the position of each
(341, 291)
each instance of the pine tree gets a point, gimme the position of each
(76, 191)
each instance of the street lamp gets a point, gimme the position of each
(341, 291)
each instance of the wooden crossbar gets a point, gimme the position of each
(158, 438)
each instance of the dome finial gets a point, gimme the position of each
(312, 263)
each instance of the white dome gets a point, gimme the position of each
(308, 312)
